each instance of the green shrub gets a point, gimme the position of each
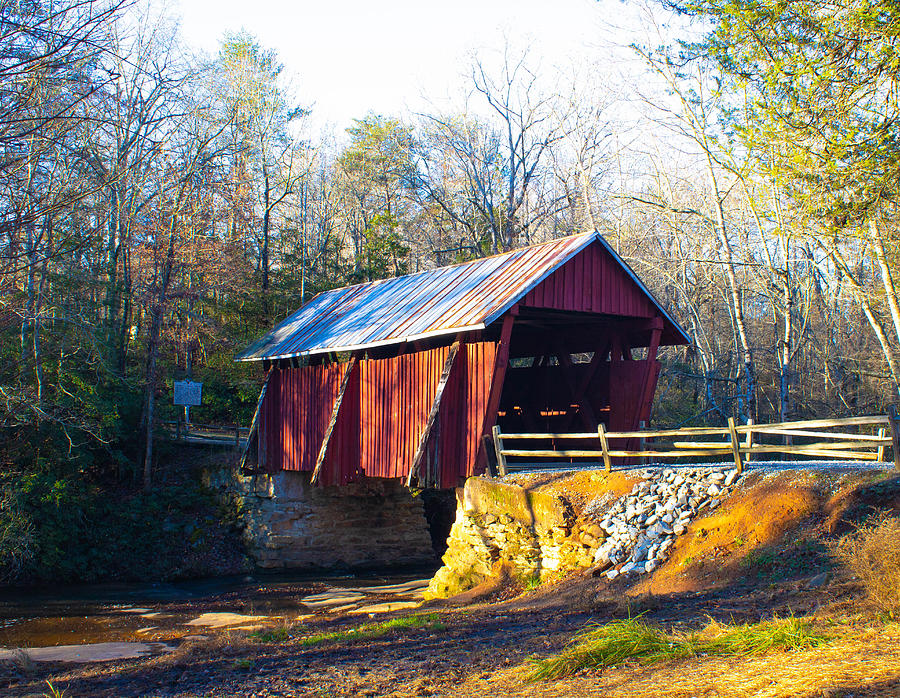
(82, 532)
(370, 631)
(272, 635)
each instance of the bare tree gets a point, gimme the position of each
(528, 130)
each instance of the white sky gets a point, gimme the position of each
(350, 57)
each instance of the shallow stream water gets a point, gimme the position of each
(153, 612)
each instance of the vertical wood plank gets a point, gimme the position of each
(433, 414)
(604, 446)
(894, 424)
(735, 445)
(748, 441)
(498, 375)
(498, 449)
(326, 440)
(643, 442)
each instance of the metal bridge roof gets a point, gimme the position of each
(446, 300)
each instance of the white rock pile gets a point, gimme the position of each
(641, 527)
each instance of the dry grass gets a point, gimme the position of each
(872, 553)
(577, 488)
(222, 644)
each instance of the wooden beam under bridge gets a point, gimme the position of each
(501, 363)
(326, 440)
(433, 414)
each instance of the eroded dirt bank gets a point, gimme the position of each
(763, 551)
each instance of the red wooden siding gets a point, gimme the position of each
(462, 414)
(295, 413)
(396, 395)
(381, 418)
(385, 407)
(591, 282)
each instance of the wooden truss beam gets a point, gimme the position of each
(326, 440)
(648, 386)
(433, 414)
(501, 362)
(579, 396)
(585, 411)
(254, 425)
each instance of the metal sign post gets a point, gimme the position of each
(187, 393)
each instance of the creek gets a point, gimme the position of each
(172, 611)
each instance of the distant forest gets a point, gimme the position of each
(158, 211)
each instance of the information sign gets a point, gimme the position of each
(187, 392)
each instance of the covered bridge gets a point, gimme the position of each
(405, 377)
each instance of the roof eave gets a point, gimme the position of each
(502, 310)
(368, 345)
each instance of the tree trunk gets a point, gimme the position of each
(887, 279)
(265, 246)
(28, 314)
(874, 323)
(736, 300)
(156, 313)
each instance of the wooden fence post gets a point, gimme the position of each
(643, 442)
(895, 434)
(748, 442)
(604, 446)
(498, 450)
(735, 445)
(487, 443)
(879, 456)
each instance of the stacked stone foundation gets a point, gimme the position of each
(290, 524)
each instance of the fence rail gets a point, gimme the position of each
(207, 434)
(739, 443)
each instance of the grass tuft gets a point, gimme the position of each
(53, 691)
(605, 645)
(758, 638)
(633, 639)
(370, 631)
(280, 634)
(23, 661)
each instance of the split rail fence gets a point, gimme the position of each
(207, 434)
(740, 443)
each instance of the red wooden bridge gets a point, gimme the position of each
(406, 377)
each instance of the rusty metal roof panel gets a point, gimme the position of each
(445, 300)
